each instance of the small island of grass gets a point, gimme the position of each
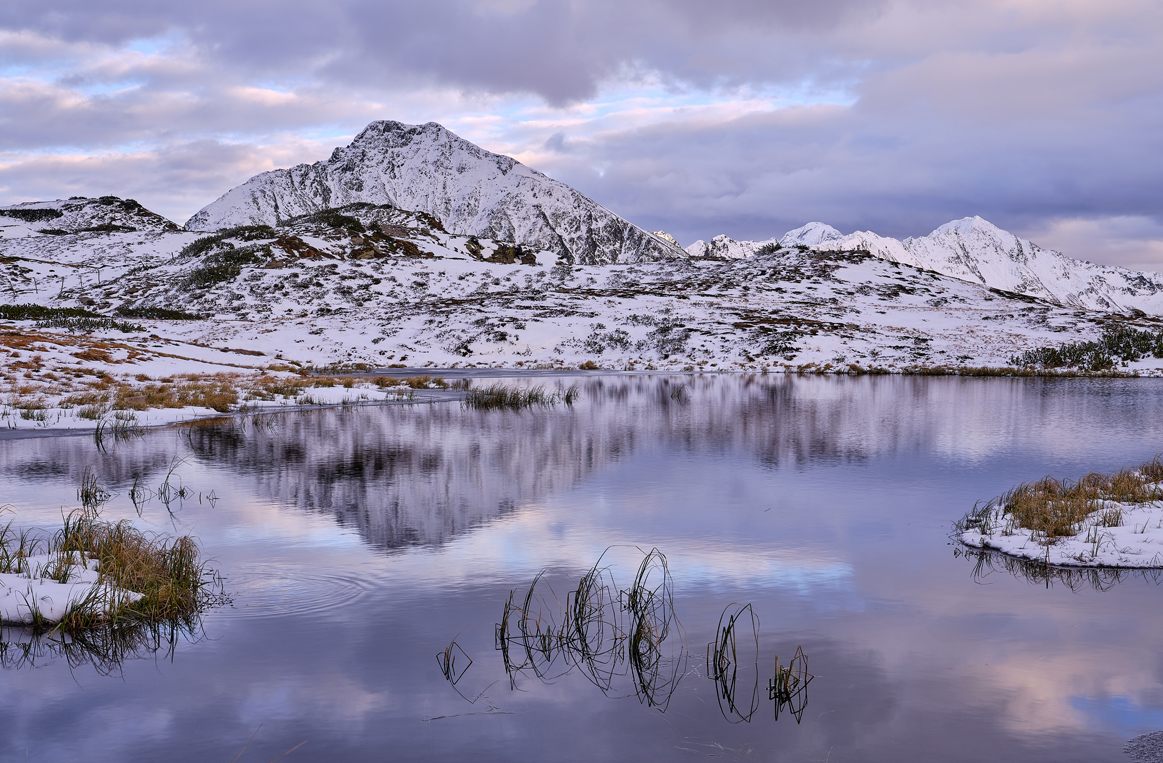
(1100, 520)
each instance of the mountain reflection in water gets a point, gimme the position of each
(422, 475)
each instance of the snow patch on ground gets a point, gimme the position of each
(34, 590)
(1137, 542)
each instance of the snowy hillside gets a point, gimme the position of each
(977, 251)
(79, 215)
(105, 316)
(108, 305)
(375, 284)
(469, 190)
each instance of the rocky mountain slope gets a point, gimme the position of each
(428, 169)
(977, 251)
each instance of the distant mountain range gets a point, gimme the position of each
(977, 251)
(470, 190)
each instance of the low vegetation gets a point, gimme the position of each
(1051, 509)
(501, 397)
(1117, 343)
(32, 215)
(87, 325)
(26, 312)
(172, 581)
(158, 314)
(222, 260)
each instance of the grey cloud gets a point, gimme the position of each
(558, 143)
(557, 49)
(1134, 242)
(34, 115)
(562, 50)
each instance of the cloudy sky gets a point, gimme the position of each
(745, 117)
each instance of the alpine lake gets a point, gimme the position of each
(674, 567)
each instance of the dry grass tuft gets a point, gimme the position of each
(217, 393)
(500, 397)
(167, 572)
(1052, 508)
(174, 583)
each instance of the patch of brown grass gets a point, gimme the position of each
(85, 398)
(270, 387)
(166, 571)
(425, 382)
(95, 355)
(1054, 508)
(217, 393)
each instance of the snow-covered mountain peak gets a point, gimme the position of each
(723, 247)
(388, 135)
(980, 233)
(812, 234)
(978, 251)
(967, 226)
(471, 191)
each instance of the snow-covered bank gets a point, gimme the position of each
(1098, 521)
(118, 405)
(1137, 542)
(44, 588)
(91, 573)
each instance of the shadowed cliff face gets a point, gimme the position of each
(428, 169)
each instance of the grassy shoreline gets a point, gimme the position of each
(118, 405)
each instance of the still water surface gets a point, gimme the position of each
(358, 544)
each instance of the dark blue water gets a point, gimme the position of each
(358, 544)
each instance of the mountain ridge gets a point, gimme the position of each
(427, 168)
(975, 250)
